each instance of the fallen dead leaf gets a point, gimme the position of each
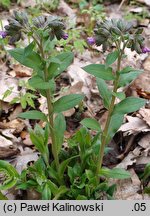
(15, 113)
(8, 82)
(145, 114)
(20, 71)
(27, 155)
(16, 124)
(26, 139)
(134, 126)
(145, 141)
(147, 2)
(7, 148)
(128, 189)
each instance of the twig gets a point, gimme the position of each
(122, 2)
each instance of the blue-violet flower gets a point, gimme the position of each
(145, 50)
(91, 40)
(3, 34)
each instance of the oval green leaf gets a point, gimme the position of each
(33, 114)
(128, 105)
(67, 102)
(91, 123)
(100, 71)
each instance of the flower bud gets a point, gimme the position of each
(65, 36)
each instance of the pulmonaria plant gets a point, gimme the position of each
(122, 35)
(74, 173)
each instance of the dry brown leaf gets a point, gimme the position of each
(147, 2)
(8, 82)
(145, 141)
(16, 124)
(145, 113)
(27, 155)
(20, 71)
(128, 189)
(5, 106)
(66, 9)
(129, 160)
(15, 112)
(134, 126)
(7, 148)
(27, 141)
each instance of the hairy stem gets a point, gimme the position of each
(50, 107)
(111, 108)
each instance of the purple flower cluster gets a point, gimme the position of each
(3, 34)
(91, 40)
(65, 36)
(145, 50)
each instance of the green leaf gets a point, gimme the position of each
(61, 190)
(2, 196)
(104, 92)
(11, 175)
(38, 83)
(120, 95)
(63, 166)
(91, 123)
(146, 173)
(63, 61)
(59, 127)
(53, 187)
(126, 78)
(128, 105)
(38, 141)
(115, 123)
(115, 173)
(23, 102)
(33, 114)
(99, 71)
(32, 60)
(46, 192)
(81, 197)
(29, 49)
(129, 69)
(67, 102)
(111, 58)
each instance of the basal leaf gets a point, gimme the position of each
(46, 192)
(33, 114)
(104, 92)
(11, 175)
(91, 123)
(67, 102)
(115, 173)
(59, 127)
(99, 71)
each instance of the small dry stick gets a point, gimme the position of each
(122, 2)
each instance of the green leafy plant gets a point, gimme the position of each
(26, 95)
(5, 3)
(74, 172)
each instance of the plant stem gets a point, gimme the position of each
(50, 107)
(111, 108)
